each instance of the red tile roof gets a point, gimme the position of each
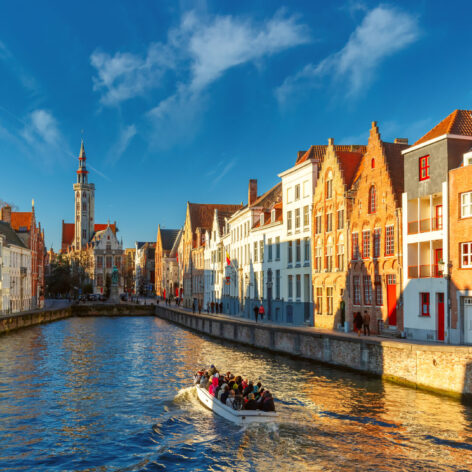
(393, 154)
(458, 122)
(102, 226)
(349, 163)
(270, 198)
(68, 231)
(317, 152)
(21, 219)
(201, 214)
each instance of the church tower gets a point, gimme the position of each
(84, 204)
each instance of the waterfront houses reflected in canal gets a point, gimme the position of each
(109, 394)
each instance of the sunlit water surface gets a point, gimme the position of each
(113, 394)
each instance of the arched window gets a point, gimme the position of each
(372, 163)
(372, 200)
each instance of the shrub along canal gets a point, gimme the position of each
(114, 394)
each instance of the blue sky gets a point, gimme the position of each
(186, 101)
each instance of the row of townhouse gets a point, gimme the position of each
(383, 228)
(22, 261)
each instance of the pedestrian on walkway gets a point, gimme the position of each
(199, 308)
(193, 305)
(366, 321)
(358, 322)
(256, 312)
(261, 311)
(221, 307)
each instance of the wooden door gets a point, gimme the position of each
(440, 315)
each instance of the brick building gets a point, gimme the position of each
(164, 244)
(330, 215)
(375, 227)
(460, 249)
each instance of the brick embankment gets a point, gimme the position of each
(30, 318)
(434, 367)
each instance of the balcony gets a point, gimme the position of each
(426, 225)
(425, 271)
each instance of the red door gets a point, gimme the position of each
(440, 312)
(437, 260)
(391, 300)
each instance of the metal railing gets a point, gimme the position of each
(425, 225)
(424, 271)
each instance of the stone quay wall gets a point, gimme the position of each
(437, 368)
(30, 318)
(123, 309)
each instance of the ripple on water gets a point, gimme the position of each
(114, 394)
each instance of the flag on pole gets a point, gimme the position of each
(228, 259)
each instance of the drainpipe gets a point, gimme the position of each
(446, 265)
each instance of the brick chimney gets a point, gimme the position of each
(401, 141)
(5, 214)
(252, 192)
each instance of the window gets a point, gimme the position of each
(377, 234)
(84, 233)
(297, 192)
(329, 257)
(340, 219)
(306, 188)
(356, 282)
(365, 244)
(100, 262)
(262, 284)
(424, 168)
(306, 216)
(329, 222)
(372, 163)
(298, 251)
(277, 248)
(329, 300)
(389, 241)
(318, 224)
(289, 221)
(319, 300)
(255, 251)
(118, 261)
(340, 253)
(261, 250)
(318, 258)
(329, 188)
(466, 205)
(424, 301)
(272, 216)
(298, 285)
(355, 246)
(289, 195)
(307, 249)
(466, 255)
(99, 280)
(378, 290)
(108, 262)
(297, 219)
(289, 252)
(367, 290)
(269, 247)
(372, 200)
(290, 286)
(277, 284)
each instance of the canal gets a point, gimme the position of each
(113, 394)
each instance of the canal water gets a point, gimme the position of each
(114, 394)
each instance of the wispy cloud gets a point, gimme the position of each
(198, 52)
(126, 135)
(384, 31)
(220, 170)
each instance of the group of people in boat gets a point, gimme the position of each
(234, 391)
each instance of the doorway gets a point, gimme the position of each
(468, 320)
(440, 315)
(391, 300)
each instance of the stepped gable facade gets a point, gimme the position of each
(164, 242)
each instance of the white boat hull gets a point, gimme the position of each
(236, 416)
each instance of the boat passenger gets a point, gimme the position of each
(212, 370)
(251, 403)
(230, 399)
(249, 389)
(221, 390)
(257, 388)
(267, 402)
(214, 385)
(205, 380)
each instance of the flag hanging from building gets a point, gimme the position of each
(228, 259)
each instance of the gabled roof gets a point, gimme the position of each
(102, 226)
(458, 122)
(317, 152)
(349, 163)
(393, 154)
(270, 198)
(10, 235)
(168, 237)
(201, 214)
(68, 232)
(21, 219)
(175, 246)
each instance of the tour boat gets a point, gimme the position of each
(241, 417)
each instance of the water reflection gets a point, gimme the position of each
(103, 394)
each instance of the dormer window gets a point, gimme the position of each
(468, 158)
(272, 216)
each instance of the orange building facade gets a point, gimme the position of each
(375, 234)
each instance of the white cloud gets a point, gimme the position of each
(126, 135)
(125, 75)
(383, 32)
(41, 128)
